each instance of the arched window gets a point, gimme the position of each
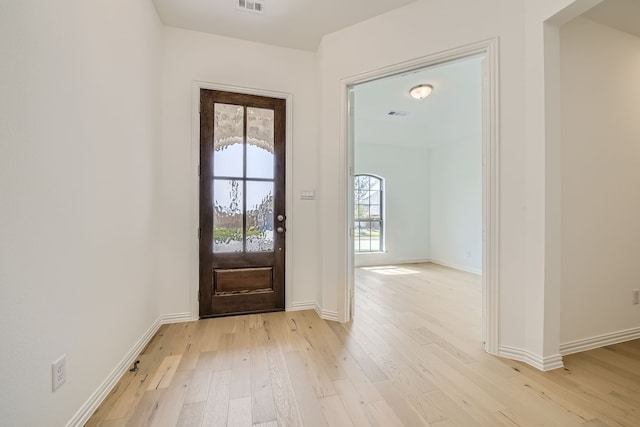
(368, 211)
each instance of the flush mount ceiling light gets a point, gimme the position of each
(420, 91)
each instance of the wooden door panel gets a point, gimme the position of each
(242, 203)
(249, 303)
(242, 280)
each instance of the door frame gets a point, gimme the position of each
(490, 177)
(194, 178)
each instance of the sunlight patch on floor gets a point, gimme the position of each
(391, 270)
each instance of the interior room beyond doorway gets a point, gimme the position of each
(427, 156)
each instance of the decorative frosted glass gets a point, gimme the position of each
(259, 216)
(228, 211)
(260, 143)
(228, 140)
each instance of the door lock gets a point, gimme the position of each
(281, 218)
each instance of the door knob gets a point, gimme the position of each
(280, 230)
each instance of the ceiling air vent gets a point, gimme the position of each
(251, 5)
(396, 113)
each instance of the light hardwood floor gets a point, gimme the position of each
(412, 357)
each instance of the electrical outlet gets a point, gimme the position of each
(58, 372)
(636, 296)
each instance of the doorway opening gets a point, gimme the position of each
(438, 159)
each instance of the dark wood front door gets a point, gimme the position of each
(242, 203)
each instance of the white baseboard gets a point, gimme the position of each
(374, 259)
(299, 306)
(176, 318)
(457, 267)
(326, 314)
(90, 406)
(586, 344)
(542, 363)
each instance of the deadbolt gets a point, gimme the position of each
(280, 218)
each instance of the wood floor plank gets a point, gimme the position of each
(283, 394)
(121, 422)
(194, 341)
(326, 345)
(334, 412)
(224, 353)
(163, 376)
(240, 412)
(262, 405)
(569, 395)
(608, 369)
(412, 356)
(146, 408)
(314, 363)
(362, 358)
(594, 423)
(212, 332)
(410, 410)
(216, 410)
(199, 388)
(191, 414)
(132, 386)
(450, 409)
(171, 403)
(308, 403)
(240, 353)
(353, 402)
(380, 414)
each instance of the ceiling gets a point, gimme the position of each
(452, 113)
(456, 96)
(623, 15)
(298, 24)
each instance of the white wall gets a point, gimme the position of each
(192, 56)
(600, 171)
(540, 191)
(456, 202)
(456, 181)
(406, 175)
(433, 199)
(79, 111)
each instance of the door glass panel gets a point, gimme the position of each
(228, 136)
(259, 216)
(228, 208)
(259, 143)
